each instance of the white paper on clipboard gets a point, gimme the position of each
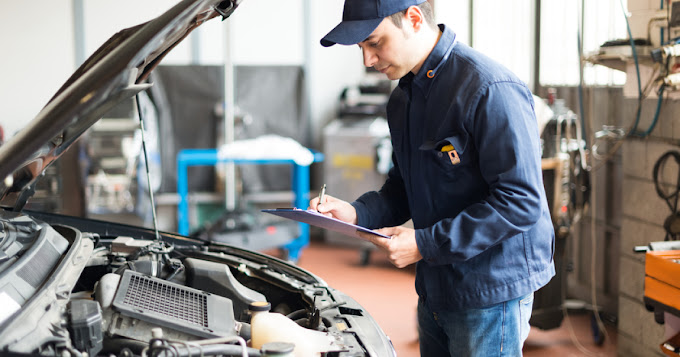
(319, 220)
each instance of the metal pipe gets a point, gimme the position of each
(79, 32)
(229, 103)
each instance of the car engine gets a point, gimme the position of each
(109, 290)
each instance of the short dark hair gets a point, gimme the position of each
(425, 8)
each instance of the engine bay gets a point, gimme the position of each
(69, 292)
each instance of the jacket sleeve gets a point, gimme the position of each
(503, 128)
(387, 207)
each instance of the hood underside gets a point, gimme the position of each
(116, 71)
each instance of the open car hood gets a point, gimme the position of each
(72, 286)
(116, 71)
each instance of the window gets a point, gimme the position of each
(559, 60)
(503, 31)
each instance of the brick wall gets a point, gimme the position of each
(643, 211)
(642, 222)
(629, 214)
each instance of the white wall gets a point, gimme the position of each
(264, 32)
(104, 18)
(37, 57)
(268, 32)
(331, 68)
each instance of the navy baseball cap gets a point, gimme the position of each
(361, 17)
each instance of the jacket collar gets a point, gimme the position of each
(430, 69)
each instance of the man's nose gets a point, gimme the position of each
(370, 59)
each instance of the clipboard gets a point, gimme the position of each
(319, 220)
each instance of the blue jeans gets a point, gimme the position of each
(497, 330)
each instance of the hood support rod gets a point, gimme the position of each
(146, 165)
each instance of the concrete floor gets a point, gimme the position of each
(388, 294)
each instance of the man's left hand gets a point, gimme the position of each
(402, 249)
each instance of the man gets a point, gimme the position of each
(467, 172)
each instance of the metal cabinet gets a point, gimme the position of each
(358, 154)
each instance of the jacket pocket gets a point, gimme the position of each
(447, 153)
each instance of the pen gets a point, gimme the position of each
(322, 193)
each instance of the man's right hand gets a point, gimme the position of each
(336, 208)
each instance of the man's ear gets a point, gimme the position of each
(414, 18)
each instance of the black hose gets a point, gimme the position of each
(245, 331)
(297, 314)
(115, 345)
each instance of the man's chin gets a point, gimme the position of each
(393, 76)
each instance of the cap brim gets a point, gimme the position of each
(350, 32)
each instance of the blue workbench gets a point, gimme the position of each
(209, 157)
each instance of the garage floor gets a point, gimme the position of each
(388, 294)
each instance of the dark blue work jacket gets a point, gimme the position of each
(482, 224)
